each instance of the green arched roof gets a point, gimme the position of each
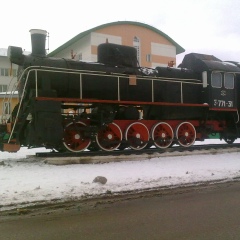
(179, 49)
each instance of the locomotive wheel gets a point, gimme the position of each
(162, 135)
(229, 140)
(185, 134)
(137, 135)
(109, 138)
(74, 140)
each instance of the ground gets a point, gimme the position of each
(26, 181)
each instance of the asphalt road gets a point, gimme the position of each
(209, 212)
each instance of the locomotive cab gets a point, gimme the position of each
(222, 91)
(218, 79)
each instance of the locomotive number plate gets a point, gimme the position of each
(222, 103)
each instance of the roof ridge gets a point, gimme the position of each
(179, 49)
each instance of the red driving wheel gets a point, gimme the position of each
(109, 138)
(185, 134)
(137, 135)
(162, 135)
(74, 140)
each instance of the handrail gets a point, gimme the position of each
(20, 103)
(103, 73)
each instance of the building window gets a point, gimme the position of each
(148, 58)
(6, 108)
(3, 88)
(5, 72)
(2, 72)
(14, 72)
(80, 57)
(137, 45)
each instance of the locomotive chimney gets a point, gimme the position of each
(38, 38)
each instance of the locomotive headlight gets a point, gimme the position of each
(15, 54)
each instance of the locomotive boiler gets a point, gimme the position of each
(113, 104)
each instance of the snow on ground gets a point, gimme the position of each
(25, 182)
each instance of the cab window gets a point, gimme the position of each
(229, 80)
(216, 80)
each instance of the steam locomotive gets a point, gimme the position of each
(112, 104)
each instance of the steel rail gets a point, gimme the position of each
(127, 152)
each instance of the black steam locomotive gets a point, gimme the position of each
(112, 104)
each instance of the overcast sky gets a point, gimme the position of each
(203, 26)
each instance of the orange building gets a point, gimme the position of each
(154, 48)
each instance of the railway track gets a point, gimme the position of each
(58, 158)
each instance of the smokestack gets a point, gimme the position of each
(38, 38)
